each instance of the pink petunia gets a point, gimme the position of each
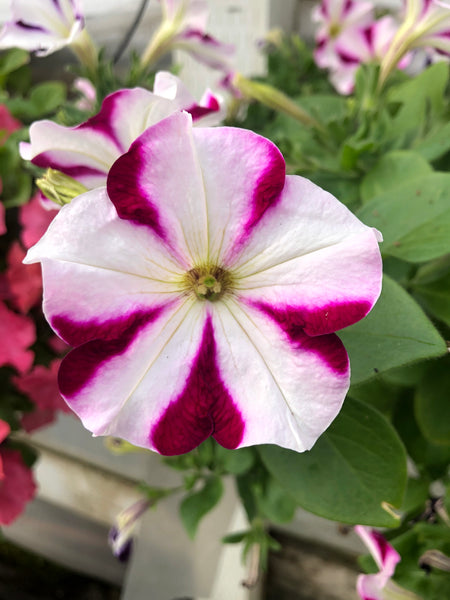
(202, 290)
(17, 334)
(24, 281)
(8, 124)
(41, 386)
(34, 219)
(380, 586)
(17, 486)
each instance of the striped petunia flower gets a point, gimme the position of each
(183, 27)
(201, 289)
(43, 26)
(86, 152)
(426, 24)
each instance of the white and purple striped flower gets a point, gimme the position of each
(426, 25)
(202, 289)
(380, 586)
(183, 27)
(87, 152)
(43, 26)
(336, 18)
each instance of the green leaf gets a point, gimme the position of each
(12, 60)
(432, 406)
(355, 468)
(47, 97)
(197, 504)
(414, 218)
(436, 143)
(431, 286)
(418, 96)
(396, 332)
(392, 171)
(237, 461)
(429, 458)
(276, 504)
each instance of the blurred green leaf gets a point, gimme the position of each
(432, 406)
(197, 504)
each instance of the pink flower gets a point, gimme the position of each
(17, 333)
(17, 486)
(4, 432)
(16, 480)
(34, 219)
(8, 123)
(41, 386)
(42, 26)
(88, 94)
(2, 215)
(380, 586)
(348, 36)
(202, 291)
(336, 18)
(24, 281)
(87, 152)
(361, 47)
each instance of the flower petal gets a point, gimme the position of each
(287, 390)
(17, 487)
(243, 175)
(142, 192)
(310, 262)
(114, 268)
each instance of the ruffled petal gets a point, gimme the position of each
(310, 263)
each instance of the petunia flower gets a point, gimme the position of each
(380, 586)
(4, 432)
(183, 27)
(363, 46)
(334, 19)
(2, 215)
(20, 332)
(17, 486)
(41, 387)
(16, 480)
(34, 219)
(426, 25)
(24, 281)
(86, 152)
(46, 26)
(202, 289)
(121, 534)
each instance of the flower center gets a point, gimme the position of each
(208, 282)
(335, 30)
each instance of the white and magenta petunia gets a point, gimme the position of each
(426, 25)
(335, 18)
(86, 152)
(43, 26)
(183, 26)
(380, 586)
(363, 46)
(202, 289)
